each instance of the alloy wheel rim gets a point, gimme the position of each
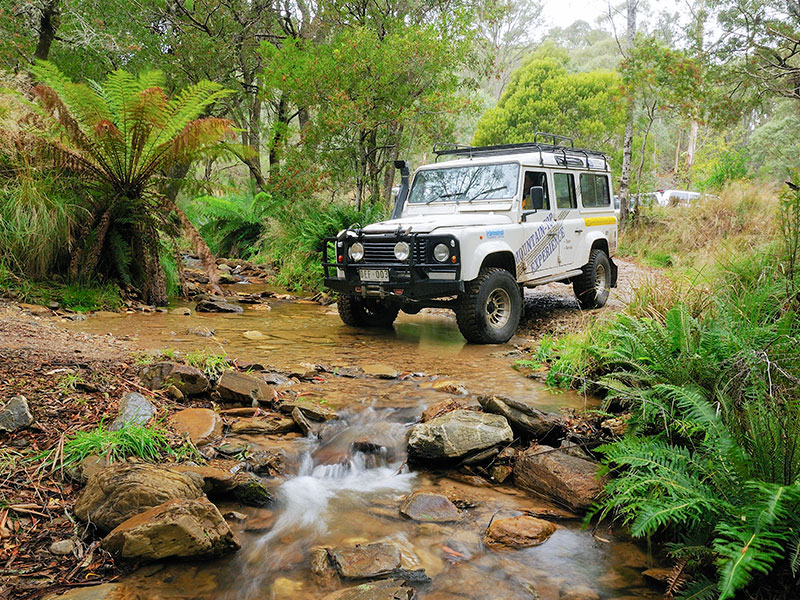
(498, 308)
(599, 280)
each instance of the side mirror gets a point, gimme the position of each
(537, 197)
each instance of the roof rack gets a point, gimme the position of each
(565, 155)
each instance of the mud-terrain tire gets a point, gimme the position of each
(593, 285)
(366, 312)
(489, 311)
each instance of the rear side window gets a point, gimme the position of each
(594, 190)
(565, 190)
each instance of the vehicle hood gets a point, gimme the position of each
(430, 223)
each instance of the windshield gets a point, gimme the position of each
(465, 184)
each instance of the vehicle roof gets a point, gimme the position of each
(553, 160)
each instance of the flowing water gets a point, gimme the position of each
(335, 496)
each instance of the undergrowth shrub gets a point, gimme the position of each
(147, 443)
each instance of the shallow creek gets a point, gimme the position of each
(337, 497)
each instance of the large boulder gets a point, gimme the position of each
(176, 528)
(15, 414)
(429, 507)
(189, 380)
(133, 409)
(202, 425)
(458, 434)
(124, 490)
(524, 417)
(518, 532)
(244, 388)
(566, 479)
(243, 486)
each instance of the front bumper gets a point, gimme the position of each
(419, 278)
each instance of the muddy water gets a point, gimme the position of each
(336, 497)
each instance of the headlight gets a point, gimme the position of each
(356, 251)
(402, 250)
(441, 252)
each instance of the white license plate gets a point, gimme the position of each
(374, 274)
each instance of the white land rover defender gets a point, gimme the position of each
(471, 233)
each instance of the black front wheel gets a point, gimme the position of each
(366, 312)
(593, 286)
(488, 312)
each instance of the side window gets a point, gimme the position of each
(565, 190)
(594, 190)
(534, 178)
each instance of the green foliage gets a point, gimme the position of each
(544, 96)
(147, 443)
(213, 365)
(293, 240)
(728, 167)
(232, 224)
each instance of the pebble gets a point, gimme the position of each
(62, 547)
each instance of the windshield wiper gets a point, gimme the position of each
(439, 197)
(489, 191)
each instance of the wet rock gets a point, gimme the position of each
(263, 426)
(380, 371)
(524, 417)
(321, 566)
(457, 434)
(274, 378)
(235, 516)
(284, 588)
(301, 421)
(302, 371)
(181, 311)
(62, 547)
(658, 575)
(312, 410)
(386, 589)
(240, 387)
(430, 507)
(503, 465)
(105, 591)
(215, 481)
(133, 409)
(174, 393)
(262, 520)
(217, 306)
(201, 331)
(189, 380)
(518, 532)
(566, 479)
(15, 414)
(266, 462)
(123, 490)
(232, 448)
(450, 387)
(176, 528)
(90, 465)
(202, 425)
(248, 489)
(367, 561)
(437, 409)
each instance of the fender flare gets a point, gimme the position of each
(471, 268)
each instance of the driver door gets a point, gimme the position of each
(537, 256)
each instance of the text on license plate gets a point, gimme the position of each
(374, 274)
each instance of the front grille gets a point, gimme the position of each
(382, 251)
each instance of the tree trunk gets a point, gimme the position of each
(90, 264)
(255, 140)
(200, 247)
(691, 148)
(277, 136)
(627, 143)
(678, 152)
(48, 23)
(154, 285)
(388, 176)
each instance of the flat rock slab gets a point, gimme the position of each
(133, 409)
(177, 528)
(518, 532)
(429, 507)
(124, 490)
(244, 388)
(566, 479)
(367, 561)
(263, 425)
(437, 409)
(189, 380)
(105, 591)
(387, 589)
(457, 434)
(380, 371)
(217, 306)
(15, 414)
(310, 409)
(202, 425)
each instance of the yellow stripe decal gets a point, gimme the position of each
(591, 221)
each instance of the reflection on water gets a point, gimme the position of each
(295, 332)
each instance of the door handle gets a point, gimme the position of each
(579, 231)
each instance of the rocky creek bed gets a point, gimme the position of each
(379, 468)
